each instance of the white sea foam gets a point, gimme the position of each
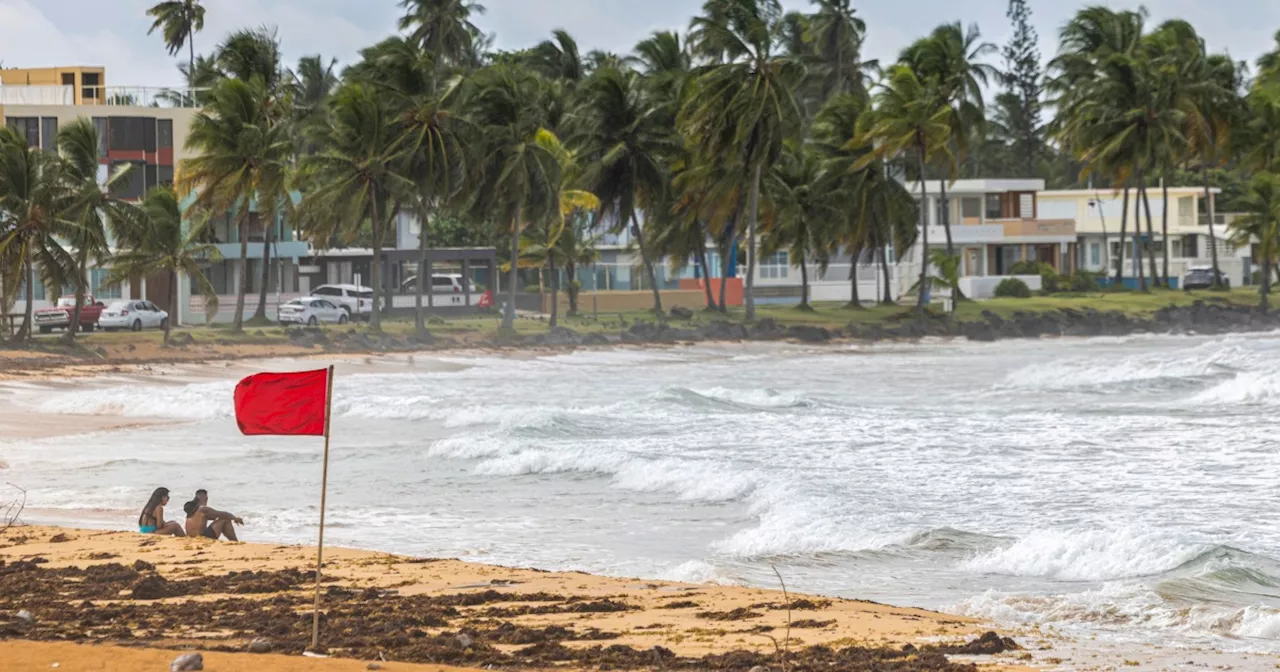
(1091, 372)
(203, 401)
(1088, 555)
(1249, 387)
(696, 571)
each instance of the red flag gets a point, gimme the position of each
(282, 403)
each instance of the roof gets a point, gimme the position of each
(1153, 191)
(983, 186)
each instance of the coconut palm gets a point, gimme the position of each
(178, 21)
(1260, 225)
(802, 216)
(33, 221)
(163, 244)
(443, 28)
(912, 119)
(90, 204)
(558, 58)
(242, 156)
(352, 179)
(624, 146)
(947, 276)
(514, 178)
(836, 35)
(740, 110)
(1217, 113)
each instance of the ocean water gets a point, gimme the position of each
(1123, 488)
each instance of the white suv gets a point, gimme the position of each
(356, 300)
(441, 283)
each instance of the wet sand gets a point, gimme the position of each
(119, 588)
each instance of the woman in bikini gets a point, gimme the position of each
(151, 520)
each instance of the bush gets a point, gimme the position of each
(1026, 268)
(1013, 288)
(1084, 281)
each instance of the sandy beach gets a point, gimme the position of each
(90, 590)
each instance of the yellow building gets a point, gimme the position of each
(69, 85)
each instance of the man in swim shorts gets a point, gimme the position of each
(203, 521)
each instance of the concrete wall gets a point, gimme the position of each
(985, 287)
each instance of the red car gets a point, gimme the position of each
(59, 316)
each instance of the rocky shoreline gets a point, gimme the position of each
(1200, 318)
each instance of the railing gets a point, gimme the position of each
(1038, 227)
(130, 96)
(37, 95)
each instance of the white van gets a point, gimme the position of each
(356, 300)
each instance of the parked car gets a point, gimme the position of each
(357, 301)
(1201, 277)
(133, 315)
(440, 283)
(311, 311)
(60, 315)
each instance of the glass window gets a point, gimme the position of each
(49, 134)
(100, 123)
(27, 127)
(1184, 206)
(1095, 254)
(134, 184)
(90, 82)
(1027, 205)
(164, 133)
(774, 266)
(971, 207)
(98, 286)
(328, 291)
(993, 206)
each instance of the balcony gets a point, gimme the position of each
(117, 96)
(1038, 228)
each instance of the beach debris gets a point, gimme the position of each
(150, 587)
(189, 662)
(56, 665)
(259, 645)
(59, 538)
(313, 654)
(25, 615)
(464, 640)
(759, 668)
(143, 566)
(373, 666)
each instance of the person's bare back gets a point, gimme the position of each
(203, 521)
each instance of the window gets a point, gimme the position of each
(164, 177)
(328, 291)
(1190, 246)
(1095, 254)
(1027, 205)
(164, 133)
(134, 184)
(970, 207)
(90, 81)
(98, 286)
(49, 134)
(993, 206)
(133, 134)
(27, 127)
(774, 266)
(68, 79)
(1184, 206)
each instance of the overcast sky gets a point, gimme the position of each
(113, 33)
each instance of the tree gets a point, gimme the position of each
(241, 159)
(558, 58)
(513, 178)
(443, 28)
(90, 204)
(1024, 80)
(33, 221)
(1217, 113)
(178, 21)
(947, 277)
(801, 217)
(352, 179)
(740, 111)
(912, 119)
(1260, 225)
(624, 147)
(162, 244)
(836, 35)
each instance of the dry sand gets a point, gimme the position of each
(218, 596)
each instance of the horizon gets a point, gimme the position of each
(69, 32)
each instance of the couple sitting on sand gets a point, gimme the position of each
(202, 521)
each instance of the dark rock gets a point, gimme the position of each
(464, 640)
(681, 313)
(560, 336)
(724, 331)
(425, 338)
(986, 645)
(26, 616)
(191, 662)
(767, 330)
(181, 339)
(595, 339)
(151, 587)
(143, 566)
(259, 645)
(809, 334)
(978, 331)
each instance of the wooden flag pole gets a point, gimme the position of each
(324, 487)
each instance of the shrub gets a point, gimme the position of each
(1084, 281)
(1013, 288)
(1025, 268)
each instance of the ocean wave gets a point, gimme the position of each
(203, 401)
(1088, 555)
(696, 571)
(745, 399)
(1181, 368)
(1249, 387)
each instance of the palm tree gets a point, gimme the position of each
(242, 157)
(741, 109)
(164, 245)
(948, 275)
(352, 178)
(514, 178)
(33, 221)
(624, 148)
(443, 28)
(802, 216)
(178, 21)
(836, 36)
(911, 118)
(558, 58)
(1260, 225)
(1218, 111)
(89, 203)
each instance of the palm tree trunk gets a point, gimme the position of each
(804, 282)
(701, 255)
(855, 301)
(1164, 226)
(173, 304)
(946, 218)
(1137, 233)
(81, 261)
(648, 263)
(509, 315)
(260, 313)
(884, 269)
(1213, 237)
(555, 293)
(1124, 225)
(571, 274)
(1151, 238)
(1265, 290)
(730, 242)
(375, 267)
(237, 323)
(420, 317)
(749, 292)
(24, 334)
(924, 234)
